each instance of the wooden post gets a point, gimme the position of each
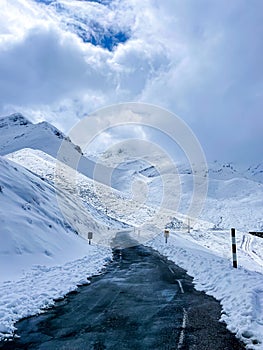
(188, 230)
(234, 247)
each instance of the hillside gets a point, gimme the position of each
(18, 133)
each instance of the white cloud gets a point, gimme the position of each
(202, 60)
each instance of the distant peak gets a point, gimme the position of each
(14, 119)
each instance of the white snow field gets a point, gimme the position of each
(235, 199)
(41, 256)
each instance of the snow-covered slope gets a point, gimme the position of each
(125, 158)
(41, 255)
(33, 229)
(235, 202)
(99, 198)
(255, 172)
(207, 258)
(18, 133)
(226, 171)
(234, 197)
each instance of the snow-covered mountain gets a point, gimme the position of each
(235, 193)
(226, 171)
(38, 243)
(234, 197)
(124, 158)
(18, 133)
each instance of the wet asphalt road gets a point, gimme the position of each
(141, 301)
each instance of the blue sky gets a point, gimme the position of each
(202, 60)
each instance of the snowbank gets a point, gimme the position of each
(38, 287)
(240, 291)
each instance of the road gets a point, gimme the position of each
(246, 246)
(141, 301)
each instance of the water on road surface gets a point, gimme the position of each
(141, 301)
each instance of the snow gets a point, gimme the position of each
(41, 256)
(29, 205)
(235, 193)
(240, 291)
(18, 133)
(234, 199)
(39, 287)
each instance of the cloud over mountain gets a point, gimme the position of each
(61, 59)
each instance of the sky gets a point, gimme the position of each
(202, 60)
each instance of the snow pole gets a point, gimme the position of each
(166, 235)
(90, 236)
(234, 247)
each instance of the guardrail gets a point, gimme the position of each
(258, 234)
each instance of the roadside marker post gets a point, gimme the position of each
(234, 247)
(90, 235)
(166, 235)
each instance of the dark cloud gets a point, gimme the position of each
(44, 68)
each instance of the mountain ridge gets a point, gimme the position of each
(19, 133)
